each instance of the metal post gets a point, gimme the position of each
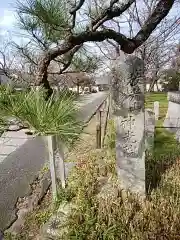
(105, 125)
(98, 129)
(61, 165)
(110, 104)
(98, 136)
(50, 141)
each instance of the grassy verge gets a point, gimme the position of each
(166, 149)
(150, 98)
(103, 211)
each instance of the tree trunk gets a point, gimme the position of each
(82, 88)
(157, 86)
(155, 79)
(42, 76)
(151, 87)
(78, 88)
(90, 88)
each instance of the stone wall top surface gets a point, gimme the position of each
(174, 97)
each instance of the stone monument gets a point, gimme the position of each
(172, 120)
(128, 109)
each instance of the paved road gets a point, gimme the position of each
(21, 166)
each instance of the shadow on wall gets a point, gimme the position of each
(165, 153)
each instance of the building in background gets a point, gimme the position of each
(157, 86)
(76, 81)
(103, 81)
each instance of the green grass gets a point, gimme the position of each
(150, 98)
(165, 154)
(164, 142)
(166, 149)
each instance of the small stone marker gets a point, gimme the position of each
(156, 110)
(128, 108)
(149, 129)
(172, 120)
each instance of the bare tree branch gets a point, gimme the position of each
(70, 41)
(70, 57)
(73, 12)
(106, 54)
(3, 64)
(110, 13)
(77, 7)
(73, 20)
(127, 45)
(41, 43)
(112, 2)
(25, 53)
(116, 47)
(161, 10)
(137, 14)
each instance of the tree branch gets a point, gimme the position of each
(73, 12)
(110, 13)
(3, 65)
(161, 10)
(106, 54)
(137, 14)
(112, 2)
(77, 7)
(58, 73)
(70, 57)
(40, 42)
(127, 45)
(73, 20)
(116, 47)
(5, 68)
(24, 52)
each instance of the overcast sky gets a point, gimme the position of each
(7, 18)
